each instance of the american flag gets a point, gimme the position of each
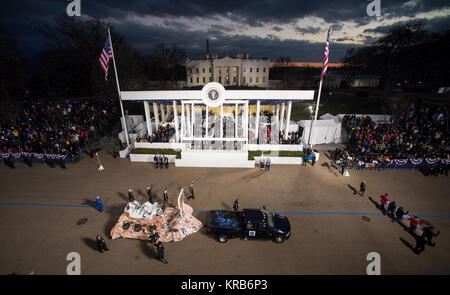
(105, 56)
(327, 53)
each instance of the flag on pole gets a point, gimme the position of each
(105, 56)
(327, 52)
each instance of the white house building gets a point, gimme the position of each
(239, 71)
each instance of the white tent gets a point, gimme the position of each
(327, 116)
(325, 131)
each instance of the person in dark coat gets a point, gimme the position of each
(161, 162)
(362, 188)
(156, 158)
(101, 245)
(99, 204)
(149, 193)
(305, 159)
(191, 191)
(236, 205)
(268, 164)
(400, 213)
(160, 251)
(391, 209)
(165, 198)
(166, 162)
(130, 196)
(313, 160)
(429, 233)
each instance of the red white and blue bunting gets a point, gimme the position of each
(32, 155)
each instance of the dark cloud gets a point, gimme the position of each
(277, 28)
(308, 30)
(437, 24)
(20, 19)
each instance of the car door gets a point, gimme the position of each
(250, 230)
(263, 230)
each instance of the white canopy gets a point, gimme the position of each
(325, 131)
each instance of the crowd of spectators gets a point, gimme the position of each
(165, 133)
(419, 132)
(61, 128)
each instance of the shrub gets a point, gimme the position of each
(144, 151)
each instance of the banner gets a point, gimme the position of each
(32, 155)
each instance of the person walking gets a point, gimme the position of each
(268, 164)
(160, 251)
(391, 209)
(161, 162)
(400, 213)
(414, 223)
(130, 196)
(261, 163)
(101, 245)
(99, 204)
(191, 191)
(384, 203)
(362, 188)
(429, 233)
(149, 193)
(313, 159)
(166, 162)
(155, 159)
(165, 198)
(236, 205)
(344, 165)
(304, 159)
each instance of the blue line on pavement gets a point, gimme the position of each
(305, 213)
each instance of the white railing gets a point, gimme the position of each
(275, 147)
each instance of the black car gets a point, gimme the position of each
(248, 224)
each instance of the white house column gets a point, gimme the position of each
(167, 111)
(257, 119)
(278, 112)
(221, 121)
(188, 120)
(246, 122)
(288, 119)
(148, 119)
(155, 111)
(236, 121)
(182, 119)
(163, 115)
(192, 120)
(282, 117)
(206, 121)
(175, 117)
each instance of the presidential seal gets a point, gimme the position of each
(213, 94)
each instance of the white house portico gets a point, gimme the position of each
(215, 127)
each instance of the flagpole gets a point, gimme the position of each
(118, 91)
(315, 115)
(317, 105)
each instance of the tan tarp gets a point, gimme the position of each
(169, 225)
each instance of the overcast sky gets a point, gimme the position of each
(263, 28)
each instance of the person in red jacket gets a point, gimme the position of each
(384, 203)
(414, 223)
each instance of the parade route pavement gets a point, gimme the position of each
(333, 229)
